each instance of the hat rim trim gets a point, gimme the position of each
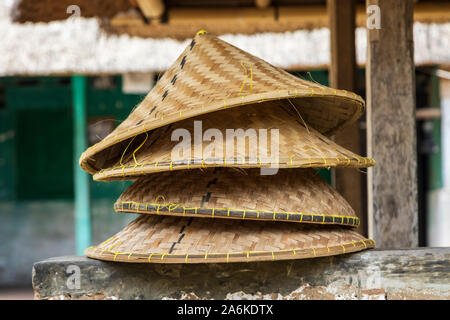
(130, 172)
(230, 257)
(306, 218)
(232, 103)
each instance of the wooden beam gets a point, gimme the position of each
(428, 12)
(428, 114)
(221, 16)
(316, 15)
(131, 18)
(152, 9)
(391, 130)
(341, 15)
(307, 17)
(184, 22)
(349, 183)
(133, 3)
(262, 3)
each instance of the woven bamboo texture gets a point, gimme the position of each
(299, 145)
(162, 239)
(296, 195)
(213, 75)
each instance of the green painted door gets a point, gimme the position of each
(44, 154)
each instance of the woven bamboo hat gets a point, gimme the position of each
(296, 195)
(298, 145)
(213, 75)
(163, 239)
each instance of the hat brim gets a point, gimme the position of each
(298, 145)
(158, 239)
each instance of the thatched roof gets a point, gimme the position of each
(51, 10)
(66, 47)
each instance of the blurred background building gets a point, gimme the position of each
(108, 54)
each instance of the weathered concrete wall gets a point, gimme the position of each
(33, 231)
(30, 231)
(372, 274)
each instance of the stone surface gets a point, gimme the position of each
(373, 274)
(34, 230)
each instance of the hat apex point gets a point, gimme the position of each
(201, 32)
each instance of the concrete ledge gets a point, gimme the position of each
(422, 273)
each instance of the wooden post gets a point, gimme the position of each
(342, 17)
(391, 130)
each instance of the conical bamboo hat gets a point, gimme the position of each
(298, 145)
(295, 195)
(163, 239)
(213, 75)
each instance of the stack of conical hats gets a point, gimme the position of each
(218, 206)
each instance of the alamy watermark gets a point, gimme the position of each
(74, 279)
(373, 17)
(228, 147)
(73, 20)
(74, 11)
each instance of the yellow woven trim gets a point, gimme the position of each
(248, 254)
(134, 206)
(137, 149)
(288, 163)
(243, 65)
